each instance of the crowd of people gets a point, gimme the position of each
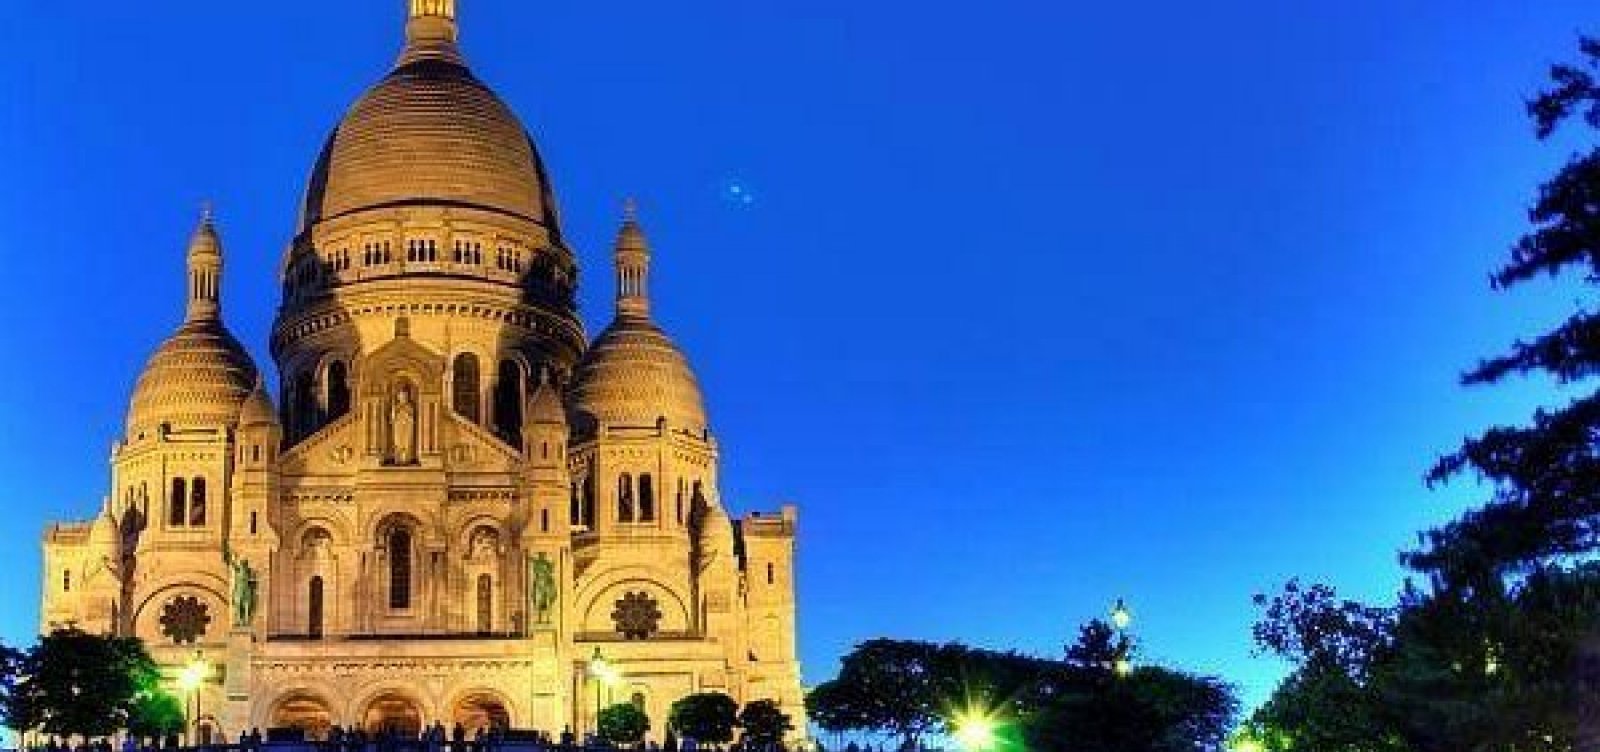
(433, 738)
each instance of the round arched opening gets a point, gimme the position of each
(481, 710)
(393, 713)
(305, 712)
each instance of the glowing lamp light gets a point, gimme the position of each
(1248, 745)
(190, 677)
(975, 732)
(602, 670)
(1123, 667)
(1121, 617)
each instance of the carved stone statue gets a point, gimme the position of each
(541, 588)
(403, 428)
(244, 590)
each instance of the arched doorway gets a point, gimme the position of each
(393, 712)
(477, 710)
(305, 712)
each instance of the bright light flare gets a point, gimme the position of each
(1121, 617)
(190, 677)
(975, 732)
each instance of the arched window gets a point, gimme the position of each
(314, 609)
(647, 498)
(400, 568)
(252, 523)
(575, 513)
(544, 520)
(625, 498)
(465, 393)
(338, 389)
(197, 503)
(589, 492)
(178, 504)
(485, 604)
(66, 580)
(305, 405)
(770, 575)
(508, 403)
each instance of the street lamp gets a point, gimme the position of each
(190, 677)
(1121, 617)
(604, 674)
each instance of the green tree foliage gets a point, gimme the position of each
(764, 723)
(1490, 652)
(1496, 647)
(154, 715)
(919, 688)
(889, 686)
(1329, 701)
(707, 717)
(81, 684)
(17, 708)
(623, 723)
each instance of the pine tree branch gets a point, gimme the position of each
(1570, 353)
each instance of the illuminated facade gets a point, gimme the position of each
(457, 499)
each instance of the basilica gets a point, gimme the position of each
(458, 508)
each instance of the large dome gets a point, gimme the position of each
(429, 132)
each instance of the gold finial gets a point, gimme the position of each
(206, 212)
(630, 210)
(431, 31)
(433, 9)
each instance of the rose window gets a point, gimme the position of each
(184, 619)
(637, 616)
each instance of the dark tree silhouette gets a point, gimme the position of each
(707, 717)
(623, 723)
(764, 723)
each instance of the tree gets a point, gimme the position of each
(764, 723)
(885, 686)
(155, 714)
(18, 710)
(1489, 653)
(623, 723)
(911, 689)
(1151, 709)
(707, 717)
(89, 685)
(1328, 702)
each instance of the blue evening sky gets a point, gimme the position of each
(1036, 304)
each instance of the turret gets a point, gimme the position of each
(205, 271)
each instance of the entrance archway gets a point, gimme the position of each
(308, 713)
(476, 710)
(394, 713)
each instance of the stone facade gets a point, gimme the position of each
(457, 504)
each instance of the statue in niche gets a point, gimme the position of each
(244, 589)
(403, 428)
(541, 587)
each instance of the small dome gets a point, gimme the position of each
(257, 409)
(429, 132)
(544, 406)
(634, 375)
(199, 376)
